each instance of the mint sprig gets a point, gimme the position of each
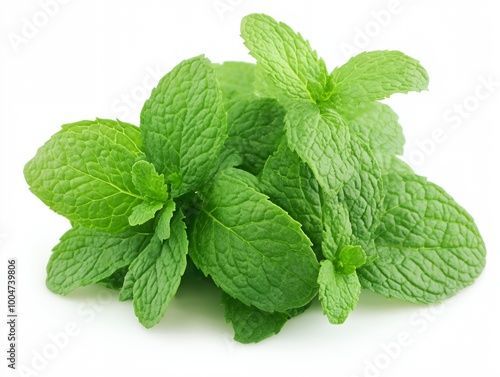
(277, 181)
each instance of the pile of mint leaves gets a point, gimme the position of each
(277, 181)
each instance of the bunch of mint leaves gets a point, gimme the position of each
(279, 181)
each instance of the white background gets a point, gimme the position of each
(85, 59)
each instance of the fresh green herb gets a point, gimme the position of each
(278, 181)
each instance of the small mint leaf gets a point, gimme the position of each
(350, 258)
(162, 229)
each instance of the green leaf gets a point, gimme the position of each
(389, 164)
(235, 79)
(184, 125)
(153, 278)
(84, 173)
(115, 280)
(375, 124)
(143, 212)
(148, 182)
(429, 247)
(252, 248)
(264, 86)
(228, 158)
(84, 257)
(290, 184)
(336, 229)
(292, 68)
(362, 195)
(375, 75)
(322, 140)
(338, 293)
(353, 217)
(255, 130)
(294, 312)
(251, 325)
(350, 258)
(162, 229)
(246, 178)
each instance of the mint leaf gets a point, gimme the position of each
(144, 212)
(362, 195)
(235, 79)
(255, 130)
(293, 69)
(290, 184)
(84, 173)
(350, 258)
(152, 186)
(153, 278)
(183, 125)
(264, 86)
(375, 75)
(84, 257)
(162, 229)
(376, 125)
(390, 164)
(251, 325)
(337, 229)
(429, 247)
(321, 139)
(115, 280)
(252, 248)
(246, 178)
(353, 216)
(338, 293)
(148, 182)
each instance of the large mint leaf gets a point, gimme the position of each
(336, 230)
(377, 125)
(184, 125)
(255, 130)
(292, 69)
(153, 278)
(353, 216)
(252, 248)
(84, 257)
(84, 173)
(290, 183)
(362, 195)
(392, 164)
(428, 246)
(338, 293)
(235, 79)
(322, 140)
(375, 75)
